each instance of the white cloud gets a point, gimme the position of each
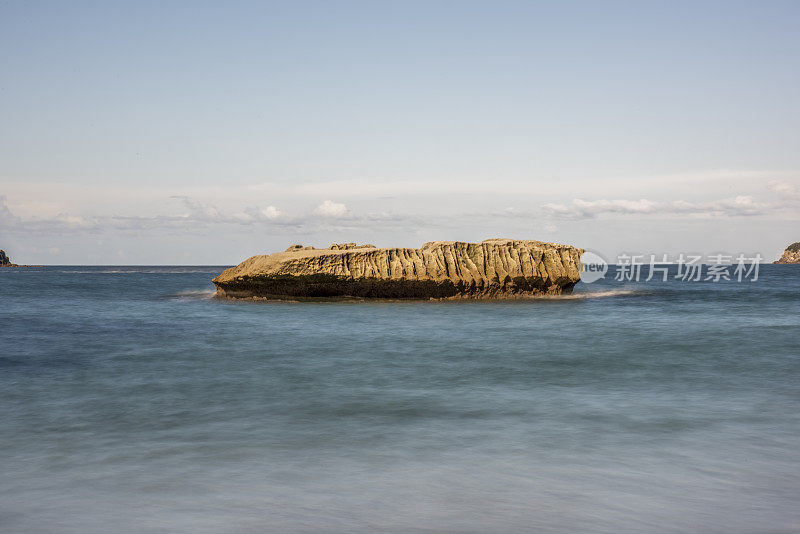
(202, 215)
(778, 200)
(199, 211)
(332, 210)
(271, 213)
(582, 209)
(785, 189)
(739, 206)
(742, 205)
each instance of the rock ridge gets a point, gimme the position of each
(491, 269)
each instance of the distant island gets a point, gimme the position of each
(791, 254)
(492, 269)
(5, 261)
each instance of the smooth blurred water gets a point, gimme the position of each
(131, 401)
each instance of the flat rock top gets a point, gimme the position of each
(301, 260)
(299, 251)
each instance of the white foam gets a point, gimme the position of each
(596, 294)
(191, 294)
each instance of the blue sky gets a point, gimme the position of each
(205, 132)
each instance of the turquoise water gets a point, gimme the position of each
(131, 401)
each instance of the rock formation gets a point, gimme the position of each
(492, 269)
(791, 254)
(4, 261)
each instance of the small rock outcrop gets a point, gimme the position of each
(5, 261)
(791, 254)
(492, 269)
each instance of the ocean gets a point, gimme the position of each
(131, 401)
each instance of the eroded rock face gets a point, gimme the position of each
(493, 269)
(791, 254)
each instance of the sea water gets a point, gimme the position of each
(132, 401)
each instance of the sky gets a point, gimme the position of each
(206, 132)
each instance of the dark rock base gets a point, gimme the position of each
(316, 287)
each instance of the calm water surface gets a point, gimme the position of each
(131, 401)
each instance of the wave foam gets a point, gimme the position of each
(609, 293)
(193, 294)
